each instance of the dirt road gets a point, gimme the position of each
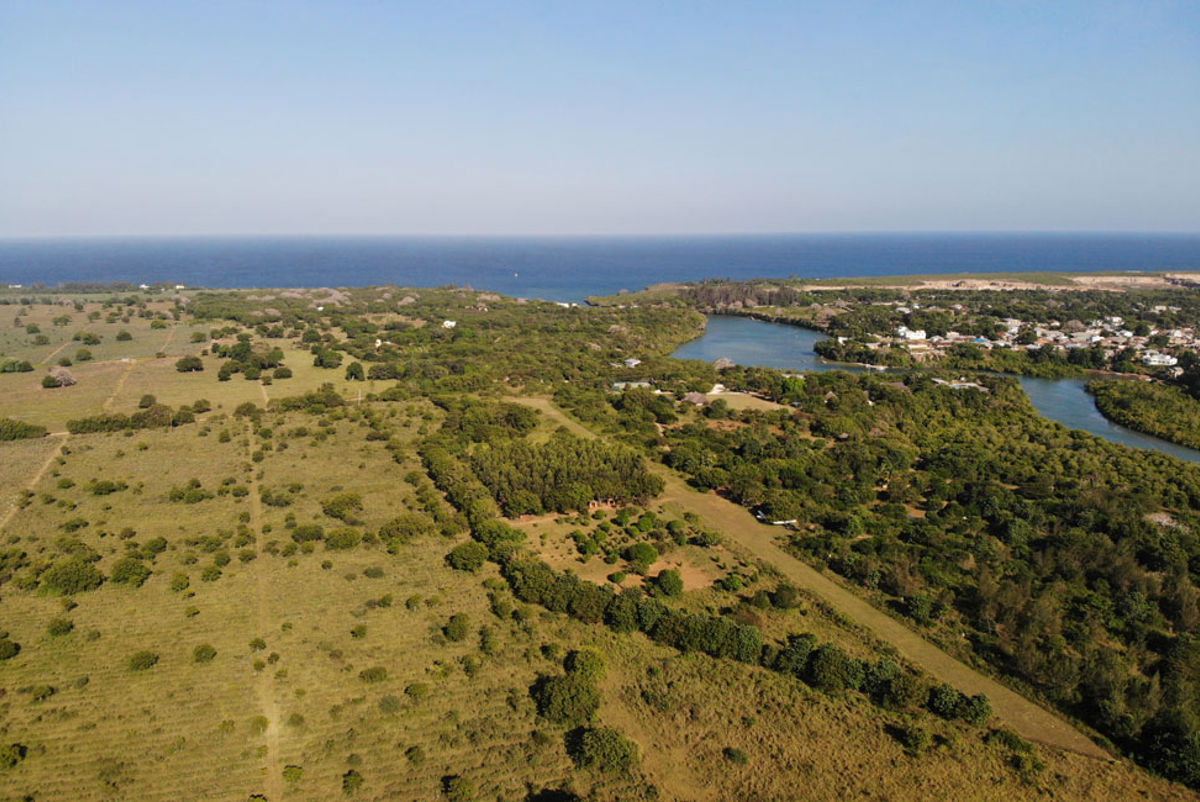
(736, 524)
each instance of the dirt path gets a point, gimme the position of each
(737, 524)
(108, 402)
(170, 336)
(264, 685)
(54, 353)
(37, 477)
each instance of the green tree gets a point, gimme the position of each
(603, 749)
(587, 664)
(457, 627)
(73, 575)
(570, 700)
(669, 583)
(469, 556)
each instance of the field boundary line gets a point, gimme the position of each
(264, 687)
(37, 477)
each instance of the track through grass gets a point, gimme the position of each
(1023, 715)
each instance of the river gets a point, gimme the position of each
(774, 345)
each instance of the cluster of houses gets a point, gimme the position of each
(1109, 333)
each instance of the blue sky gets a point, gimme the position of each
(605, 117)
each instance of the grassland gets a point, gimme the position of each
(329, 672)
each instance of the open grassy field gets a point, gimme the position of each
(323, 616)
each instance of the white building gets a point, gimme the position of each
(449, 324)
(1158, 359)
(904, 332)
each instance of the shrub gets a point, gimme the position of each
(915, 739)
(469, 556)
(307, 532)
(16, 366)
(147, 401)
(785, 597)
(291, 773)
(1009, 740)
(204, 653)
(389, 704)
(83, 355)
(40, 693)
(415, 755)
(417, 690)
(458, 788)
(327, 359)
(404, 528)
(457, 627)
(11, 755)
(143, 660)
(641, 554)
(130, 571)
(9, 649)
(106, 487)
(922, 609)
(124, 336)
(830, 669)
(569, 700)
(60, 626)
(603, 749)
(58, 377)
(73, 575)
(351, 782)
(944, 701)
(281, 372)
(373, 674)
(793, 657)
(975, 710)
(669, 583)
(344, 537)
(735, 755)
(343, 506)
(180, 582)
(587, 664)
(19, 430)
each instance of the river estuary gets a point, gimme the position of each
(775, 345)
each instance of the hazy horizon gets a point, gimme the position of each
(569, 235)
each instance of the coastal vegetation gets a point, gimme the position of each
(407, 580)
(1161, 410)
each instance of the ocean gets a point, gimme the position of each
(571, 268)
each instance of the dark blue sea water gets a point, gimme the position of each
(571, 268)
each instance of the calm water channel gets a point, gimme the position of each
(774, 345)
